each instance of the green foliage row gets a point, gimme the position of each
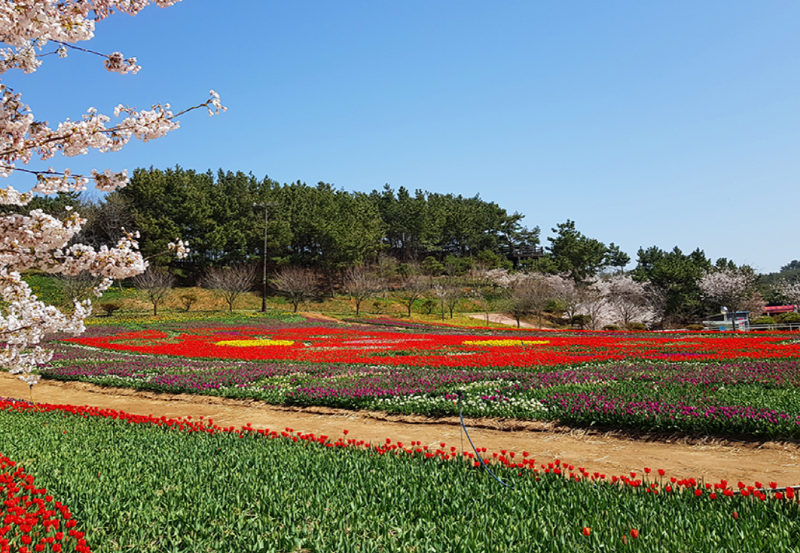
(145, 488)
(222, 216)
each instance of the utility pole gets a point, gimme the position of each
(266, 207)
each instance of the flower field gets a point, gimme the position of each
(418, 349)
(225, 489)
(741, 385)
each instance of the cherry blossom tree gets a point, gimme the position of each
(727, 287)
(594, 304)
(627, 299)
(527, 292)
(156, 284)
(450, 291)
(414, 286)
(481, 289)
(789, 290)
(30, 31)
(566, 293)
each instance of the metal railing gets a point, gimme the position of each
(776, 326)
(755, 328)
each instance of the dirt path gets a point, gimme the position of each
(605, 453)
(500, 318)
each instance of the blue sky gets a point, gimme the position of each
(666, 124)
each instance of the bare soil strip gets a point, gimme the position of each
(609, 453)
(500, 318)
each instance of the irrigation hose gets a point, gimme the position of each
(31, 392)
(464, 428)
(460, 395)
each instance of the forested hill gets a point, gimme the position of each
(222, 216)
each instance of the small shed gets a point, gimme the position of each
(726, 319)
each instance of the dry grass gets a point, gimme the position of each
(340, 306)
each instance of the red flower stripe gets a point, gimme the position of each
(347, 345)
(654, 486)
(30, 520)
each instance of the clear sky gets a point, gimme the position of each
(647, 123)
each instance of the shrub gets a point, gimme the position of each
(552, 306)
(765, 320)
(188, 299)
(110, 307)
(635, 326)
(789, 318)
(431, 266)
(580, 320)
(457, 266)
(611, 327)
(493, 260)
(428, 306)
(695, 327)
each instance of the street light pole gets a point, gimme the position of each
(266, 207)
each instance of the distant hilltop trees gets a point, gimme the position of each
(314, 226)
(332, 231)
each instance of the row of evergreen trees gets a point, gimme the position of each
(222, 216)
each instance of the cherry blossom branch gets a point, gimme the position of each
(131, 126)
(38, 240)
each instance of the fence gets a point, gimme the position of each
(777, 326)
(755, 328)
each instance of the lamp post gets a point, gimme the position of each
(266, 207)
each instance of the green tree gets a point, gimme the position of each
(162, 204)
(575, 254)
(429, 224)
(676, 276)
(332, 229)
(616, 258)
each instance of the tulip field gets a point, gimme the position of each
(86, 479)
(335, 344)
(696, 383)
(81, 479)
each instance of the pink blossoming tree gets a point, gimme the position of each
(31, 30)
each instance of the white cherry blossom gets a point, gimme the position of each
(29, 31)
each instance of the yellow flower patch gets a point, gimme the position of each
(505, 343)
(254, 343)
